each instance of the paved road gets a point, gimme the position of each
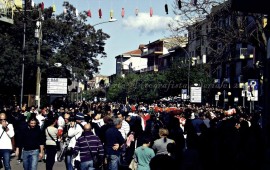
(41, 165)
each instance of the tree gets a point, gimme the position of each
(66, 39)
(217, 30)
(219, 27)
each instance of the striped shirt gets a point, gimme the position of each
(94, 144)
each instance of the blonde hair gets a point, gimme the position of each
(163, 132)
(3, 114)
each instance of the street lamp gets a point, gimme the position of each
(77, 81)
(226, 97)
(111, 20)
(38, 79)
(23, 49)
(189, 63)
(23, 53)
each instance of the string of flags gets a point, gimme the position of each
(151, 12)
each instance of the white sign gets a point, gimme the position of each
(217, 97)
(57, 86)
(243, 93)
(253, 88)
(184, 94)
(196, 94)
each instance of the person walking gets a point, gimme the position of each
(113, 142)
(74, 131)
(160, 145)
(144, 154)
(32, 141)
(51, 133)
(89, 145)
(6, 133)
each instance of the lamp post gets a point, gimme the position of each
(111, 20)
(23, 48)
(38, 79)
(189, 63)
(74, 74)
(226, 96)
(23, 53)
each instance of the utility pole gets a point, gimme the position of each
(38, 79)
(23, 53)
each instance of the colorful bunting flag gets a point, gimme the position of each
(151, 11)
(123, 12)
(100, 13)
(166, 9)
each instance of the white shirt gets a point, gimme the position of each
(5, 140)
(61, 122)
(74, 133)
(125, 128)
(100, 122)
(40, 119)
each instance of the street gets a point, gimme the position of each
(41, 165)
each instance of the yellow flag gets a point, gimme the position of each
(53, 8)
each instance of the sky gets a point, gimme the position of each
(128, 32)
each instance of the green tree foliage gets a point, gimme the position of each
(66, 38)
(148, 87)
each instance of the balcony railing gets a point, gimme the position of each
(151, 68)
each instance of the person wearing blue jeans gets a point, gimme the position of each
(114, 141)
(5, 153)
(6, 133)
(113, 162)
(68, 161)
(89, 146)
(30, 159)
(32, 141)
(88, 165)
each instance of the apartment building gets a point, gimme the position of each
(224, 41)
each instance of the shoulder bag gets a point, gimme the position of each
(133, 164)
(56, 141)
(95, 158)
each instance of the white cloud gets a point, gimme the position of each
(147, 24)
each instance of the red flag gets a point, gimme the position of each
(89, 13)
(99, 13)
(123, 12)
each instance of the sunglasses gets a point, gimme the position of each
(2, 119)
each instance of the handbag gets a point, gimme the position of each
(123, 156)
(56, 141)
(133, 164)
(95, 158)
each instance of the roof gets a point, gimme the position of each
(136, 52)
(132, 53)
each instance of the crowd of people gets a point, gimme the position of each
(111, 136)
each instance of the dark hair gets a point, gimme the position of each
(171, 147)
(50, 120)
(71, 119)
(32, 118)
(146, 139)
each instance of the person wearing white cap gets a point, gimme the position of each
(80, 119)
(74, 132)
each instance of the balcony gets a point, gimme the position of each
(148, 69)
(155, 50)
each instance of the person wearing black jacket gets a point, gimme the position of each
(32, 141)
(17, 119)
